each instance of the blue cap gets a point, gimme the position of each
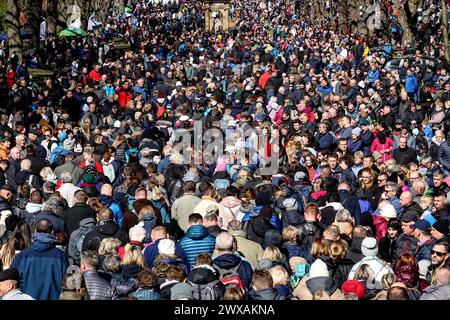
(422, 225)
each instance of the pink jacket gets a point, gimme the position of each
(385, 149)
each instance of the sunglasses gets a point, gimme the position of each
(439, 254)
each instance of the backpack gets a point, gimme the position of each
(221, 184)
(228, 273)
(175, 189)
(77, 244)
(208, 291)
(57, 157)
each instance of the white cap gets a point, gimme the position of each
(117, 124)
(90, 99)
(318, 269)
(388, 211)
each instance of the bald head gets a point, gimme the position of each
(25, 164)
(406, 198)
(443, 275)
(106, 190)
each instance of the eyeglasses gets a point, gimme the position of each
(439, 254)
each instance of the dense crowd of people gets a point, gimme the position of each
(99, 200)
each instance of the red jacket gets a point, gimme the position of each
(124, 96)
(381, 226)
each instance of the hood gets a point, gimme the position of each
(227, 260)
(22, 177)
(321, 283)
(197, 232)
(88, 223)
(189, 176)
(292, 218)
(264, 294)
(43, 241)
(106, 200)
(149, 221)
(108, 229)
(131, 270)
(202, 275)
(33, 207)
(356, 245)
(230, 202)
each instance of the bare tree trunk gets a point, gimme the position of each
(12, 22)
(353, 14)
(342, 11)
(403, 21)
(52, 8)
(445, 29)
(33, 11)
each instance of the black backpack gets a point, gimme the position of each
(209, 291)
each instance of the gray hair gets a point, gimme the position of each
(25, 164)
(90, 258)
(343, 215)
(66, 177)
(224, 241)
(112, 263)
(54, 206)
(391, 185)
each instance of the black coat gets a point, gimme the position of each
(74, 215)
(405, 156)
(104, 229)
(354, 251)
(308, 231)
(257, 228)
(342, 270)
(386, 248)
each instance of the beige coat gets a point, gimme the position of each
(250, 249)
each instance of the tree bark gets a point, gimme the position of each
(52, 8)
(12, 22)
(33, 11)
(403, 21)
(342, 10)
(445, 29)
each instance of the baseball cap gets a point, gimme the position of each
(422, 225)
(9, 274)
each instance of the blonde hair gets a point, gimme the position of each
(279, 275)
(338, 249)
(426, 200)
(145, 210)
(45, 172)
(320, 247)
(134, 256)
(109, 247)
(289, 234)
(272, 253)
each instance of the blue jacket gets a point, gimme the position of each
(411, 84)
(373, 75)
(229, 260)
(293, 250)
(163, 164)
(197, 240)
(151, 252)
(274, 221)
(57, 222)
(325, 141)
(41, 268)
(109, 202)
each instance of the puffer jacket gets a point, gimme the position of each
(444, 154)
(128, 283)
(197, 240)
(104, 229)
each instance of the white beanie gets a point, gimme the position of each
(318, 269)
(137, 233)
(166, 246)
(388, 211)
(117, 124)
(369, 247)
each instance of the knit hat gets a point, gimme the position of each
(388, 211)
(353, 286)
(181, 291)
(369, 247)
(137, 233)
(356, 131)
(299, 176)
(441, 226)
(166, 246)
(89, 178)
(318, 269)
